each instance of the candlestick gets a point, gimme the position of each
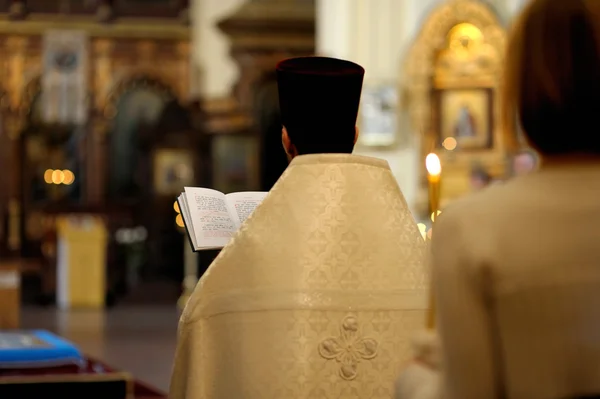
(190, 263)
(434, 174)
(190, 266)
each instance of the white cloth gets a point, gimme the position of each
(421, 378)
(317, 296)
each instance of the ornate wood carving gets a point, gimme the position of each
(165, 9)
(120, 54)
(119, 66)
(262, 32)
(432, 64)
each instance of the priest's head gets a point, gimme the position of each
(319, 99)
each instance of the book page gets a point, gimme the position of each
(241, 205)
(187, 220)
(213, 227)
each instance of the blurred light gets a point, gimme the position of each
(450, 143)
(58, 177)
(176, 207)
(52, 176)
(140, 234)
(433, 216)
(179, 220)
(121, 236)
(69, 177)
(433, 165)
(48, 176)
(429, 233)
(127, 236)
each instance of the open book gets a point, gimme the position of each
(211, 217)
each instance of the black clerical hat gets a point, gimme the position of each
(319, 99)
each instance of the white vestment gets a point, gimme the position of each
(317, 296)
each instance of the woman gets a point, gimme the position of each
(516, 268)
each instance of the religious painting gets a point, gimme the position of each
(466, 116)
(173, 170)
(378, 116)
(236, 163)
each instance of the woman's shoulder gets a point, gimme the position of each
(494, 195)
(480, 208)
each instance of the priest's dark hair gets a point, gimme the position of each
(268, 123)
(319, 99)
(552, 77)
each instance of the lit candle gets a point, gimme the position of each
(434, 174)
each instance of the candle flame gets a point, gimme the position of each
(433, 165)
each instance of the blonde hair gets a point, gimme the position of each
(552, 77)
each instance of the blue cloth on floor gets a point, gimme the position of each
(37, 348)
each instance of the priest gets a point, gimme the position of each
(319, 293)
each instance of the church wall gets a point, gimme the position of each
(377, 35)
(214, 69)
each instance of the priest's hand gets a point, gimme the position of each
(421, 379)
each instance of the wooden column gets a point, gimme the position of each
(13, 188)
(10, 295)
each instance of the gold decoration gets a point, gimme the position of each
(465, 39)
(146, 50)
(461, 45)
(114, 64)
(102, 79)
(132, 30)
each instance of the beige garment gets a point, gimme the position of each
(317, 296)
(517, 281)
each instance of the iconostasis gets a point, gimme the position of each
(454, 70)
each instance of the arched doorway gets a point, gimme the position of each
(135, 109)
(148, 127)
